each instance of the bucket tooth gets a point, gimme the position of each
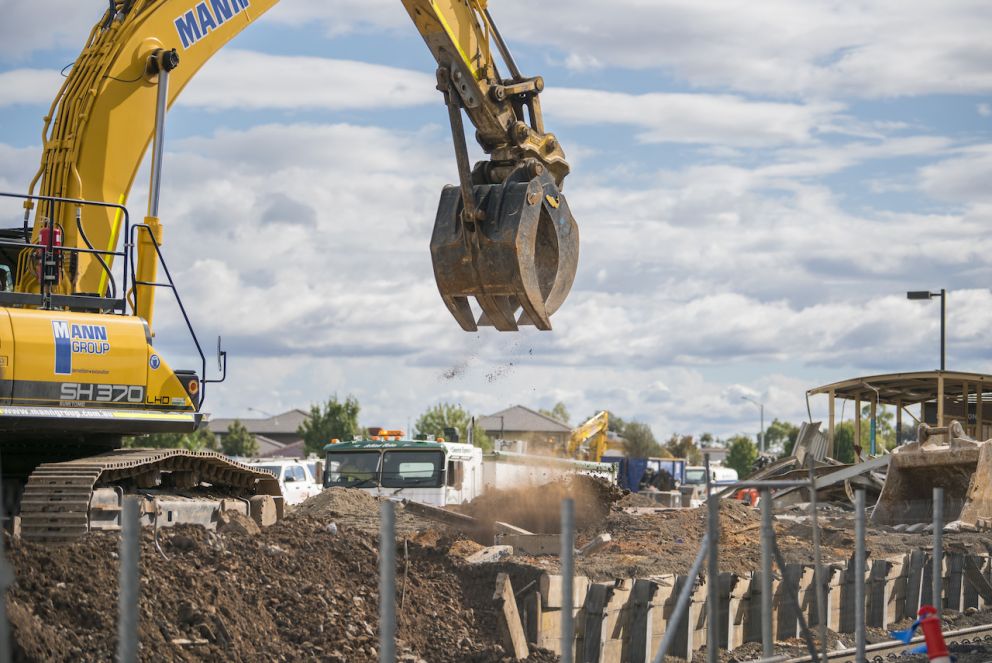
(498, 312)
(461, 310)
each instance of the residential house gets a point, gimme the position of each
(276, 435)
(541, 433)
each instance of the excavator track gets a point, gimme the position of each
(57, 503)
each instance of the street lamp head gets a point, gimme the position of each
(919, 294)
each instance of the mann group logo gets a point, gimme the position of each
(72, 339)
(197, 23)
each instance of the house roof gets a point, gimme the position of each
(520, 418)
(280, 424)
(294, 450)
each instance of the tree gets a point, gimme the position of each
(238, 441)
(639, 441)
(616, 423)
(199, 440)
(781, 434)
(844, 442)
(707, 440)
(885, 430)
(741, 455)
(559, 413)
(683, 446)
(447, 415)
(334, 420)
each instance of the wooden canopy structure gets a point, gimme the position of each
(940, 395)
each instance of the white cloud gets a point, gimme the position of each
(247, 79)
(29, 86)
(773, 47)
(28, 27)
(725, 120)
(985, 110)
(963, 179)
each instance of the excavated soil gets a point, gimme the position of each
(306, 588)
(296, 592)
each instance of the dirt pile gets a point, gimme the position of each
(295, 592)
(355, 509)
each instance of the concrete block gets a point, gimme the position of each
(532, 617)
(786, 612)
(953, 580)
(830, 579)
(692, 621)
(490, 555)
(847, 624)
(731, 626)
(752, 621)
(511, 629)
(594, 623)
(640, 617)
(263, 510)
(531, 544)
(914, 563)
(550, 586)
(875, 592)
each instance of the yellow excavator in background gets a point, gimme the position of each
(78, 369)
(588, 440)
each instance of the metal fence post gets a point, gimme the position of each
(938, 549)
(127, 595)
(767, 643)
(821, 599)
(859, 575)
(713, 572)
(387, 582)
(567, 562)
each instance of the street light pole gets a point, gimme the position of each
(926, 294)
(943, 326)
(761, 433)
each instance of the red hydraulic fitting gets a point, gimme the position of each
(930, 624)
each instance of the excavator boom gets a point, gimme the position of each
(505, 234)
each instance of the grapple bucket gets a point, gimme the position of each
(940, 458)
(518, 262)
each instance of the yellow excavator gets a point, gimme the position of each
(588, 440)
(78, 277)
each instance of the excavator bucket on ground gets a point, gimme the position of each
(942, 457)
(518, 258)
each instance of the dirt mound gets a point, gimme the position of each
(351, 508)
(538, 508)
(337, 502)
(296, 592)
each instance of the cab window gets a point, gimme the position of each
(412, 469)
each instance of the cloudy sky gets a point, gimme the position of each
(756, 184)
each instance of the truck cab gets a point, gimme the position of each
(432, 472)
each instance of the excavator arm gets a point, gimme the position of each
(591, 435)
(102, 121)
(505, 235)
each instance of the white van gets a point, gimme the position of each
(295, 476)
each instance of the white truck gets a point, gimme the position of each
(441, 473)
(429, 472)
